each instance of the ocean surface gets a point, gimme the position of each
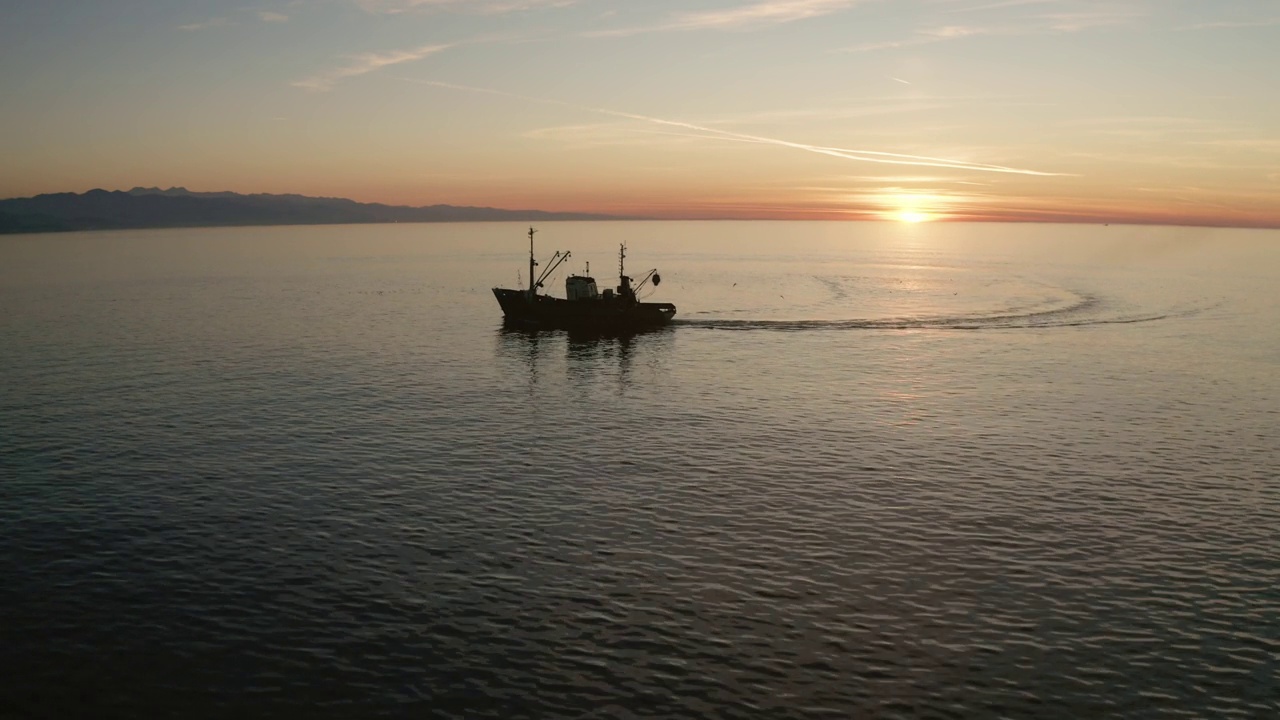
(872, 470)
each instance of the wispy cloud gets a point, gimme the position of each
(268, 16)
(1075, 19)
(1182, 160)
(1154, 128)
(768, 12)
(483, 7)
(1002, 5)
(1252, 145)
(867, 107)
(1086, 19)
(907, 179)
(367, 63)
(622, 134)
(871, 156)
(1229, 24)
(756, 14)
(205, 25)
(608, 134)
(926, 37)
(1136, 120)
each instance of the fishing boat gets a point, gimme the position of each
(584, 307)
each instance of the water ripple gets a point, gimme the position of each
(349, 492)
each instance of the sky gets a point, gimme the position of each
(1162, 111)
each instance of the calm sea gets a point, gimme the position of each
(871, 471)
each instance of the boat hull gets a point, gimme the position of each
(602, 314)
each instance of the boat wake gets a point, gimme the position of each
(1086, 310)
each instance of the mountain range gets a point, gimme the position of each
(178, 207)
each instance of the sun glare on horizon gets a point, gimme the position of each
(909, 207)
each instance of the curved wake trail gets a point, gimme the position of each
(1087, 311)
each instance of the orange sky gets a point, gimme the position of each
(1077, 110)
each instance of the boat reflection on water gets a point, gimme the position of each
(582, 358)
(593, 356)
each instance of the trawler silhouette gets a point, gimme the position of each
(584, 307)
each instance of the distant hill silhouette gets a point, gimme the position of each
(179, 207)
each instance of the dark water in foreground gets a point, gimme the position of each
(873, 471)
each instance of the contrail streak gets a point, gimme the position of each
(845, 153)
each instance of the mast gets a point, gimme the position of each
(624, 282)
(533, 283)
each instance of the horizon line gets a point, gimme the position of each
(741, 212)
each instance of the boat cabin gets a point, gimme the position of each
(581, 287)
